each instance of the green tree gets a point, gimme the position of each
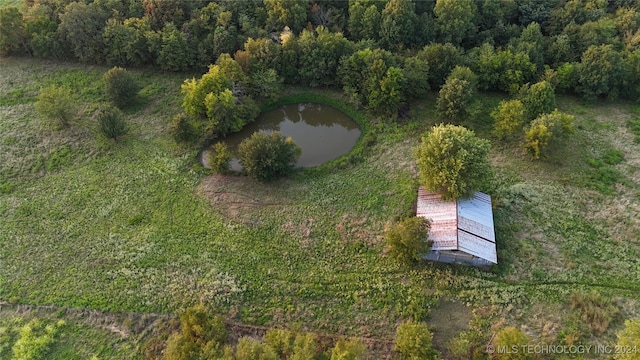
(545, 128)
(362, 73)
(454, 19)
(352, 349)
(509, 118)
(200, 335)
(629, 338)
(503, 70)
(442, 58)
(266, 157)
(407, 240)
(601, 72)
(319, 56)
(252, 349)
(12, 30)
(531, 42)
(304, 347)
(120, 87)
(508, 337)
(183, 129)
(464, 73)
(35, 340)
(538, 99)
(281, 341)
(56, 103)
(414, 342)
(453, 161)
(264, 83)
(111, 122)
(389, 94)
(453, 100)
(82, 26)
(162, 12)
(364, 19)
(220, 158)
(398, 24)
(44, 38)
(291, 13)
(174, 53)
(416, 77)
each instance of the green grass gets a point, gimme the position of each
(138, 226)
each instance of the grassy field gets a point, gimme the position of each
(138, 227)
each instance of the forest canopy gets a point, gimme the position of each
(382, 53)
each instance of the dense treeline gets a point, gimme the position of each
(383, 53)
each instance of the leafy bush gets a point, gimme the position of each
(629, 338)
(453, 161)
(595, 310)
(252, 349)
(201, 334)
(266, 157)
(538, 99)
(111, 122)
(413, 342)
(545, 128)
(453, 99)
(508, 337)
(352, 349)
(508, 118)
(219, 158)
(120, 87)
(407, 240)
(280, 340)
(182, 129)
(35, 340)
(56, 103)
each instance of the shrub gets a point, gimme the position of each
(35, 340)
(56, 103)
(266, 157)
(454, 99)
(508, 337)
(544, 129)
(111, 122)
(407, 240)
(252, 349)
(629, 338)
(219, 158)
(353, 349)
(120, 87)
(182, 129)
(538, 99)
(201, 334)
(508, 118)
(595, 310)
(280, 340)
(413, 342)
(453, 161)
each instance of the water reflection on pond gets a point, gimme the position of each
(323, 132)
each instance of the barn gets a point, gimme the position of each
(461, 231)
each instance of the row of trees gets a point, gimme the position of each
(203, 336)
(593, 46)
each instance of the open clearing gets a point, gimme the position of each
(137, 227)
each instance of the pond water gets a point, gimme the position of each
(321, 131)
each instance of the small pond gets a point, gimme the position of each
(321, 131)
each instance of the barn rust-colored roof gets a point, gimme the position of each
(465, 226)
(442, 215)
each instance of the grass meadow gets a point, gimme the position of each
(138, 228)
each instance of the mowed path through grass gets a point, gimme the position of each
(135, 226)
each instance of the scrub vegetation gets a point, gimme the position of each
(129, 248)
